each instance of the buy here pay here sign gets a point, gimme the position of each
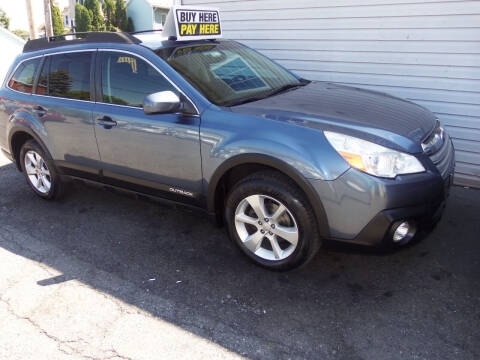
(197, 23)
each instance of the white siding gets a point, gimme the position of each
(427, 51)
(11, 45)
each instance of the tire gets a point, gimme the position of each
(277, 247)
(36, 164)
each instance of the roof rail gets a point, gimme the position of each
(145, 31)
(80, 38)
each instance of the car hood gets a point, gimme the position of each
(377, 116)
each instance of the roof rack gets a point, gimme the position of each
(145, 31)
(80, 38)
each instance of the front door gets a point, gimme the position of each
(159, 152)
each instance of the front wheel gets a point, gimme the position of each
(271, 221)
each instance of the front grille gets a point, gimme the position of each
(444, 157)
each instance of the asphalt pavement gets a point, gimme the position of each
(104, 275)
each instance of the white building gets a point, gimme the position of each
(67, 18)
(148, 14)
(12, 45)
(427, 51)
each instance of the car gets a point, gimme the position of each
(283, 162)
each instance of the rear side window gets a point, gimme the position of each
(66, 76)
(127, 79)
(22, 79)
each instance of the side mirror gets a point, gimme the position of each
(163, 102)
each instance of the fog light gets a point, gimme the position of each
(401, 232)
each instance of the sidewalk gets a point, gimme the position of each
(46, 315)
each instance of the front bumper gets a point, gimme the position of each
(379, 231)
(364, 209)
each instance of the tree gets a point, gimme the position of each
(4, 19)
(57, 21)
(83, 19)
(121, 21)
(60, 82)
(93, 7)
(109, 14)
(130, 26)
(89, 16)
(22, 33)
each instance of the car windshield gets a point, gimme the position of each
(228, 73)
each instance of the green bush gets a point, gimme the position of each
(121, 15)
(83, 19)
(89, 17)
(130, 26)
(22, 33)
(4, 19)
(93, 7)
(57, 21)
(109, 14)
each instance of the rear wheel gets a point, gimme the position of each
(271, 221)
(40, 171)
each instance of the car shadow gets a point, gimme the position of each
(164, 254)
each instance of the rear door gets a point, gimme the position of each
(156, 153)
(64, 99)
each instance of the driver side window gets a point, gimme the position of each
(127, 79)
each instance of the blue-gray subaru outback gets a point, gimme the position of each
(283, 161)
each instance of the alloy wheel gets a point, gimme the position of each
(266, 227)
(37, 172)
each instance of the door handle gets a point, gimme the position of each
(106, 122)
(39, 110)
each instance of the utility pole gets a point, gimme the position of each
(48, 18)
(31, 22)
(71, 12)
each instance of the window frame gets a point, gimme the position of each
(40, 68)
(91, 78)
(96, 94)
(98, 79)
(37, 78)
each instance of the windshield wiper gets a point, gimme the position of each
(284, 88)
(244, 101)
(267, 95)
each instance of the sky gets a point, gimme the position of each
(17, 12)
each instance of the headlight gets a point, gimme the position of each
(372, 158)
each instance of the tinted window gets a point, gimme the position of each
(127, 79)
(69, 75)
(23, 78)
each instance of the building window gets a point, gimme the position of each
(160, 15)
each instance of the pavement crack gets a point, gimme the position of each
(115, 355)
(65, 346)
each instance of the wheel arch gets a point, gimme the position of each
(17, 137)
(260, 161)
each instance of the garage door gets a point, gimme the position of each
(427, 51)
